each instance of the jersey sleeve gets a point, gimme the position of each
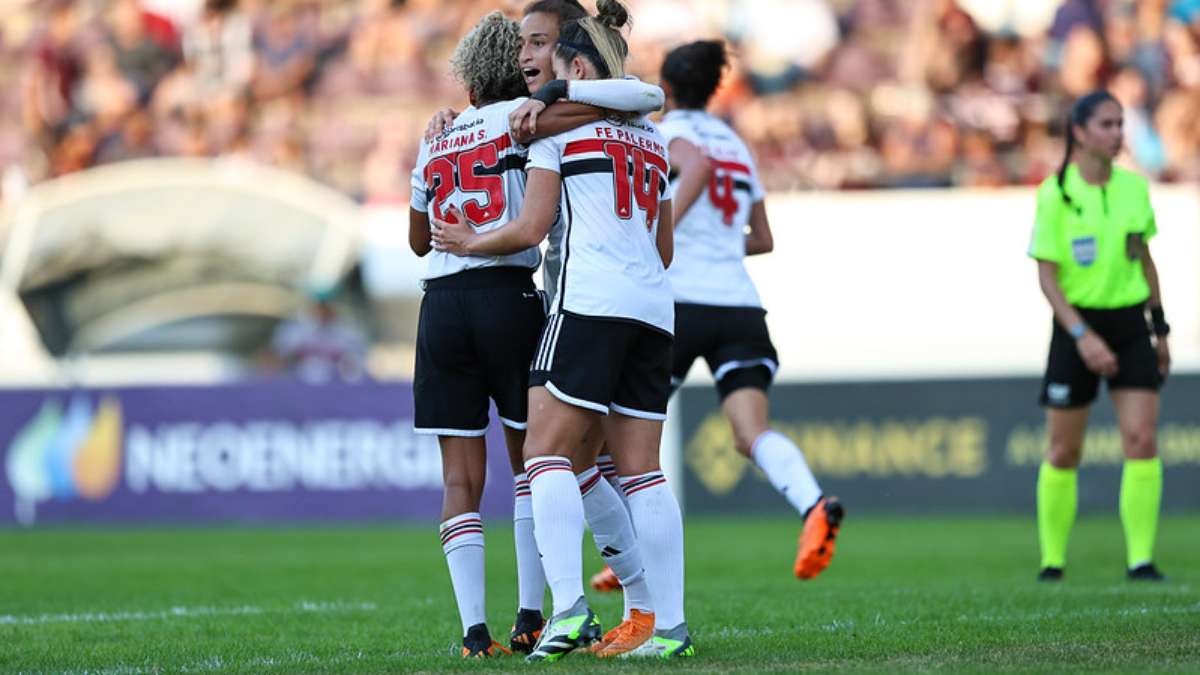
(545, 154)
(1151, 224)
(629, 94)
(419, 200)
(672, 129)
(757, 192)
(1047, 240)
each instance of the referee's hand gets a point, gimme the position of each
(1096, 355)
(1164, 355)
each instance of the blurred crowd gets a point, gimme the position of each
(832, 94)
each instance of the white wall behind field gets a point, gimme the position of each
(935, 283)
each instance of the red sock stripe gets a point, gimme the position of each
(521, 488)
(607, 468)
(642, 482)
(630, 490)
(448, 532)
(549, 465)
(589, 483)
(456, 535)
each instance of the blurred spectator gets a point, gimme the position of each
(829, 93)
(319, 346)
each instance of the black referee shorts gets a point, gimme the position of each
(1069, 384)
(734, 341)
(476, 336)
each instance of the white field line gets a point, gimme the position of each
(184, 613)
(879, 620)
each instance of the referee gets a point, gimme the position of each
(1094, 223)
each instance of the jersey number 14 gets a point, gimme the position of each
(633, 179)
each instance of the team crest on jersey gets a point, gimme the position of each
(1083, 249)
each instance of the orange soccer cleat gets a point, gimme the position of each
(627, 636)
(494, 649)
(606, 580)
(819, 537)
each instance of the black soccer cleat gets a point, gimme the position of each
(1146, 572)
(478, 644)
(526, 630)
(575, 628)
(1050, 574)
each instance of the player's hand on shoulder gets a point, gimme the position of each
(442, 120)
(452, 235)
(522, 121)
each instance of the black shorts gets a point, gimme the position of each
(476, 335)
(733, 341)
(605, 365)
(1069, 384)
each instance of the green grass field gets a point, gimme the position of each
(903, 594)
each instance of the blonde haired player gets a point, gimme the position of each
(606, 347)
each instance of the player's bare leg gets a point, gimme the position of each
(464, 469)
(747, 410)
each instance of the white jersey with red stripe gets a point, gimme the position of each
(710, 239)
(478, 167)
(614, 174)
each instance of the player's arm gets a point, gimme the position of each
(624, 95)
(759, 239)
(665, 237)
(695, 171)
(419, 236)
(557, 118)
(455, 235)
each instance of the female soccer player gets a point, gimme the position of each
(1091, 242)
(721, 218)
(606, 516)
(481, 316)
(606, 347)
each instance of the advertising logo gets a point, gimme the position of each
(64, 452)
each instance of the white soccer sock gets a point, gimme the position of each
(531, 580)
(558, 527)
(462, 542)
(659, 527)
(613, 532)
(785, 467)
(609, 470)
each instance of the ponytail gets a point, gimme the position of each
(1081, 112)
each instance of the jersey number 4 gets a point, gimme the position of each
(474, 170)
(720, 193)
(633, 179)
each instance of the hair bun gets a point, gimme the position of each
(612, 13)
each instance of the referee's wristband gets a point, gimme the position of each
(1078, 330)
(1159, 320)
(551, 92)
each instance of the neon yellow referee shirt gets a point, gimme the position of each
(1097, 238)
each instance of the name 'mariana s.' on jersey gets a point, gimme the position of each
(710, 240)
(614, 174)
(478, 167)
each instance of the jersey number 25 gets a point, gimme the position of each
(473, 170)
